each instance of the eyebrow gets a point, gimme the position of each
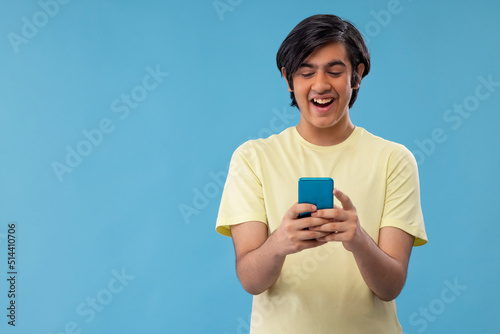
(330, 64)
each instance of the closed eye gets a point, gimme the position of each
(307, 75)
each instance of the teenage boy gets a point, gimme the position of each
(339, 270)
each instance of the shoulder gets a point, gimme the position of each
(388, 149)
(263, 146)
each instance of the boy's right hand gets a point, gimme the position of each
(293, 235)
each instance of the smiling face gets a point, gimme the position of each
(322, 87)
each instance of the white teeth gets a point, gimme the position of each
(322, 101)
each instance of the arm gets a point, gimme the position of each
(259, 258)
(383, 266)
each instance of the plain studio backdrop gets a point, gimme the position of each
(118, 120)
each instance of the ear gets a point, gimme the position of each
(283, 73)
(360, 70)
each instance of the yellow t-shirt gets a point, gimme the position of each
(321, 290)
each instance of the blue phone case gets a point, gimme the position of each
(317, 191)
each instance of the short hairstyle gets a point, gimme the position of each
(314, 32)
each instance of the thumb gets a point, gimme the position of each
(344, 199)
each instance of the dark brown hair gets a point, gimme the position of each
(314, 32)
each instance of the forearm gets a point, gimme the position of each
(383, 274)
(260, 268)
(260, 258)
(383, 266)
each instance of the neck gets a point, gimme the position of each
(333, 135)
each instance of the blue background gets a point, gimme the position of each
(142, 202)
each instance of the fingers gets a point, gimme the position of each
(339, 219)
(306, 222)
(340, 223)
(298, 208)
(344, 199)
(332, 227)
(302, 227)
(311, 224)
(309, 235)
(336, 214)
(334, 236)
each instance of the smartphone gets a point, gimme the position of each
(317, 191)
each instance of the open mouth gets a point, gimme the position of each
(322, 102)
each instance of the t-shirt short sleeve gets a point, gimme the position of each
(402, 199)
(242, 199)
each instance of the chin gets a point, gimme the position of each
(325, 124)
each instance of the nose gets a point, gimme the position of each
(321, 84)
